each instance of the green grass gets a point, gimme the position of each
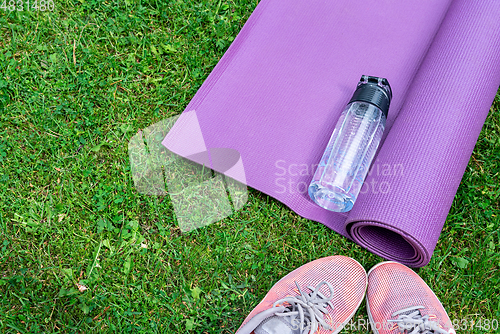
(75, 85)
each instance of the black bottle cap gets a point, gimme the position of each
(374, 90)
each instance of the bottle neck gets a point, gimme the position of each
(373, 94)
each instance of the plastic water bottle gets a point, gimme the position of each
(345, 163)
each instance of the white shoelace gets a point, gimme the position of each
(308, 307)
(415, 323)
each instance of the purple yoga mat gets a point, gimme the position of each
(277, 93)
(433, 137)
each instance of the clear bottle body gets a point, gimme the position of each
(345, 163)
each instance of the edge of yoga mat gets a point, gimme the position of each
(227, 57)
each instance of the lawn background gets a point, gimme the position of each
(75, 85)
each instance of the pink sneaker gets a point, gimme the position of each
(398, 299)
(319, 297)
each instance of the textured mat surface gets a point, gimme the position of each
(277, 93)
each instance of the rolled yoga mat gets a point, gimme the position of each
(277, 93)
(433, 137)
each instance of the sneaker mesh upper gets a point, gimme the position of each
(347, 277)
(393, 287)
